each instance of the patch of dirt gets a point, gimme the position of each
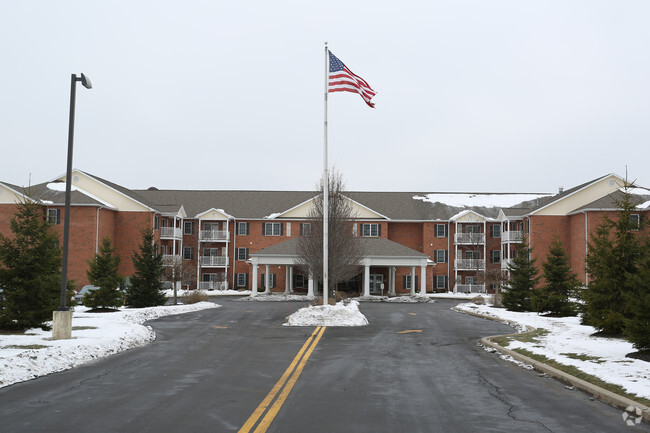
(643, 355)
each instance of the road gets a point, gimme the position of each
(415, 368)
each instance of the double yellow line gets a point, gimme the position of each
(284, 386)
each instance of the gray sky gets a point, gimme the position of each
(472, 95)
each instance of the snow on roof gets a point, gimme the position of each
(478, 200)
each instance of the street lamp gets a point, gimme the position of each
(62, 328)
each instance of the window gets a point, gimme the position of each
(407, 281)
(188, 227)
(188, 253)
(470, 280)
(527, 226)
(272, 278)
(242, 280)
(495, 231)
(242, 229)
(472, 255)
(211, 227)
(305, 229)
(54, 216)
(441, 230)
(441, 256)
(163, 249)
(495, 256)
(298, 281)
(370, 230)
(635, 221)
(442, 281)
(241, 254)
(156, 222)
(472, 228)
(272, 229)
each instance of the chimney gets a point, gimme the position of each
(560, 189)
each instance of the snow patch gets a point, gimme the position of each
(95, 335)
(479, 200)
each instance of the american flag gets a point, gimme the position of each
(341, 79)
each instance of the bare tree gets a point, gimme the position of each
(179, 270)
(344, 248)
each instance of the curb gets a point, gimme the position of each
(612, 399)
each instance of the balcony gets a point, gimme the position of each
(214, 261)
(470, 288)
(213, 285)
(170, 259)
(504, 264)
(469, 264)
(170, 233)
(214, 235)
(469, 238)
(511, 236)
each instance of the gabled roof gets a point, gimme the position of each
(372, 247)
(609, 202)
(53, 193)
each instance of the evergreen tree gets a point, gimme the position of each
(561, 284)
(637, 326)
(612, 260)
(30, 270)
(102, 272)
(523, 279)
(146, 285)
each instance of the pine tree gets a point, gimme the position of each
(146, 285)
(637, 326)
(561, 284)
(102, 272)
(612, 260)
(523, 279)
(30, 270)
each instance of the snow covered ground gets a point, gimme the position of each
(571, 343)
(94, 335)
(170, 292)
(341, 314)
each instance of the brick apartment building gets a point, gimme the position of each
(413, 242)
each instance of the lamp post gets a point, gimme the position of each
(62, 319)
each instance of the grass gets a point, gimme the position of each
(573, 371)
(525, 337)
(583, 357)
(26, 346)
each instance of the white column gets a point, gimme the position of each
(267, 280)
(391, 281)
(254, 282)
(423, 280)
(310, 286)
(287, 281)
(412, 280)
(366, 280)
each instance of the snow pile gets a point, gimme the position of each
(182, 292)
(397, 299)
(94, 335)
(277, 297)
(328, 315)
(570, 343)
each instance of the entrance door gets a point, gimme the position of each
(376, 280)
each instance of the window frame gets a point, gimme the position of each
(56, 220)
(444, 230)
(191, 253)
(242, 228)
(238, 255)
(370, 227)
(187, 224)
(273, 225)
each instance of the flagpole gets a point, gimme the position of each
(326, 186)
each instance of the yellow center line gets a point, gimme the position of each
(408, 331)
(297, 360)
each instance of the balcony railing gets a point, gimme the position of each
(469, 264)
(504, 264)
(170, 233)
(214, 261)
(214, 235)
(470, 288)
(469, 238)
(170, 259)
(213, 285)
(511, 236)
